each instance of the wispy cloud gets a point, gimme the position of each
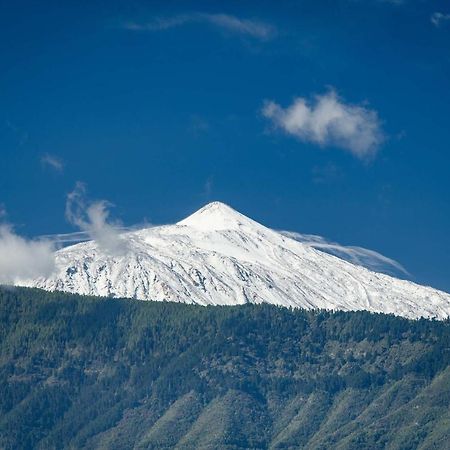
(438, 18)
(52, 161)
(23, 259)
(198, 125)
(208, 186)
(63, 239)
(244, 27)
(328, 173)
(329, 121)
(21, 135)
(92, 219)
(356, 255)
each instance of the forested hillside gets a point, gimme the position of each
(82, 372)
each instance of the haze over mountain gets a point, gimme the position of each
(218, 256)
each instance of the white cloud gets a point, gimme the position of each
(22, 259)
(328, 121)
(245, 27)
(438, 18)
(92, 218)
(52, 162)
(328, 173)
(356, 255)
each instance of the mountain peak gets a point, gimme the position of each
(218, 256)
(216, 216)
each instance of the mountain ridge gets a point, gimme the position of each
(218, 256)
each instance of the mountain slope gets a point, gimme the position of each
(218, 256)
(83, 372)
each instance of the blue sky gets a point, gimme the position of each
(161, 107)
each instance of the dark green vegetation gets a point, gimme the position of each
(79, 372)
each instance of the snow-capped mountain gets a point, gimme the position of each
(218, 256)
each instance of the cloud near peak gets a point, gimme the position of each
(23, 259)
(92, 219)
(244, 27)
(360, 256)
(329, 121)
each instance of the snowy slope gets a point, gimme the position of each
(218, 256)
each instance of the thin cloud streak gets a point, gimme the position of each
(360, 256)
(63, 239)
(244, 27)
(52, 161)
(329, 121)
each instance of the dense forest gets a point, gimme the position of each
(82, 372)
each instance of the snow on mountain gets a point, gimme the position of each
(218, 256)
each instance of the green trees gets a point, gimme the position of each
(82, 372)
